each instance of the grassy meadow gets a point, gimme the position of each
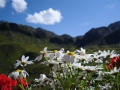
(13, 46)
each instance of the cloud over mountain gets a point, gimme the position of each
(110, 6)
(3, 3)
(19, 5)
(47, 17)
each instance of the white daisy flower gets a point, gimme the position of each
(42, 53)
(18, 73)
(23, 62)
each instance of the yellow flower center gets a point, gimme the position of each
(83, 59)
(18, 70)
(95, 59)
(71, 53)
(55, 51)
(23, 63)
(107, 56)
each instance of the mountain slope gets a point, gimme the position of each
(95, 35)
(113, 38)
(17, 39)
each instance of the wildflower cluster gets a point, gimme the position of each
(6, 83)
(70, 71)
(80, 71)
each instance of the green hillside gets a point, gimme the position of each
(14, 44)
(16, 40)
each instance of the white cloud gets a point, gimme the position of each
(48, 17)
(3, 3)
(85, 24)
(13, 13)
(110, 6)
(19, 5)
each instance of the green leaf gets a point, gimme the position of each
(30, 88)
(21, 86)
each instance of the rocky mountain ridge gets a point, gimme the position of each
(97, 36)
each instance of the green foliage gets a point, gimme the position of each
(95, 48)
(16, 40)
(8, 54)
(14, 44)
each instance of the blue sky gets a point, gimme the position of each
(73, 17)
